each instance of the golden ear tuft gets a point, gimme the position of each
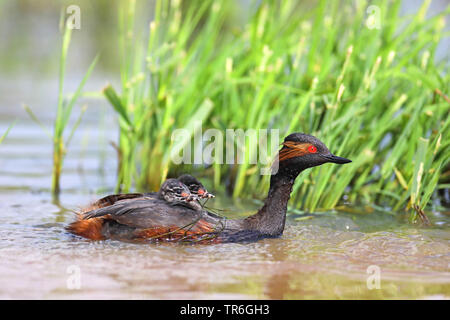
(293, 149)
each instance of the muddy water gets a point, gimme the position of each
(323, 256)
(326, 256)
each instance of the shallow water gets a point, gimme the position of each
(322, 256)
(325, 256)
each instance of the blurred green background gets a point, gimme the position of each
(375, 95)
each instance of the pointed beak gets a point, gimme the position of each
(336, 159)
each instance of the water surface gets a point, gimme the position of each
(325, 256)
(321, 256)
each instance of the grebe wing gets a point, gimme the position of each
(154, 213)
(113, 198)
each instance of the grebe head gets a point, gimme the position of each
(301, 151)
(195, 186)
(173, 190)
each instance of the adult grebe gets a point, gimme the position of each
(153, 219)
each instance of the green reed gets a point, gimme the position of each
(63, 113)
(5, 134)
(369, 93)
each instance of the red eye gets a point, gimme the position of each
(312, 149)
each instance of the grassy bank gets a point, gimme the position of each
(374, 95)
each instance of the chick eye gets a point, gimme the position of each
(312, 149)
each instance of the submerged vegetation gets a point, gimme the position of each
(374, 93)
